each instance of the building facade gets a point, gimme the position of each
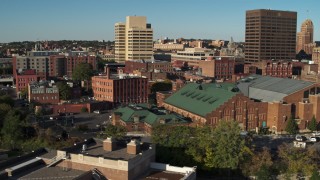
(255, 101)
(121, 89)
(270, 34)
(305, 36)
(24, 78)
(277, 69)
(169, 47)
(133, 39)
(43, 93)
(316, 56)
(218, 67)
(74, 60)
(192, 56)
(148, 66)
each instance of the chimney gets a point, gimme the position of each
(107, 70)
(133, 147)
(109, 144)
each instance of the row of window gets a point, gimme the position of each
(45, 98)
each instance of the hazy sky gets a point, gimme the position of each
(94, 19)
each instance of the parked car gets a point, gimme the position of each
(300, 138)
(96, 111)
(316, 134)
(314, 139)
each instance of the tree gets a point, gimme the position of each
(7, 100)
(258, 163)
(82, 72)
(312, 126)
(298, 161)
(117, 132)
(315, 175)
(264, 173)
(12, 129)
(64, 90)
(228, 149)
(24, 93)
(4, 109)
(292, 126)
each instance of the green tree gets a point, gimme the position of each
(264, 173)
(4, 109)
(64, 90)
(24, 93)
(315, 175)
(292, 126)
(312, 126)
(12, 129)
(7, 100)
(297, 160)
(82, 72)
(117, 132)
(228, 149)
(257, 163)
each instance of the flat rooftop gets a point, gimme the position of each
(95, 149)
(160, 175)
(52, 173)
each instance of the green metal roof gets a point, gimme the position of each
(202, 99)
(128, 113)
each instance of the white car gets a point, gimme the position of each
(314, 139)
(300, 138)
(316, 134)
(96, 111)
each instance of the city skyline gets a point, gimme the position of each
(94, 20)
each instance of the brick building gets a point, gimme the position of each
(57, 65)
(113, 159)
(147, 66)
(277, 69)
(206, 104)
(254, 102)
(43, 93)
(119, 89)
(316, 56)
(142, 118)
(74, 59)
(24, 78)
(218, 67)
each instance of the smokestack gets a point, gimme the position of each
(107, 71)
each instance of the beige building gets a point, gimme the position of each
(169, 47)
(133, 39)
(192, 56)
(305, 36)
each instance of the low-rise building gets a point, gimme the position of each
(218, 67)
(169, 47)
(95, 159)
(148, 66)
(120, 89)
(142, 118)
(192, 56)
(24, 78)
(42, 93)
(255, 101)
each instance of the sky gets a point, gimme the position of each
(31, 20)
